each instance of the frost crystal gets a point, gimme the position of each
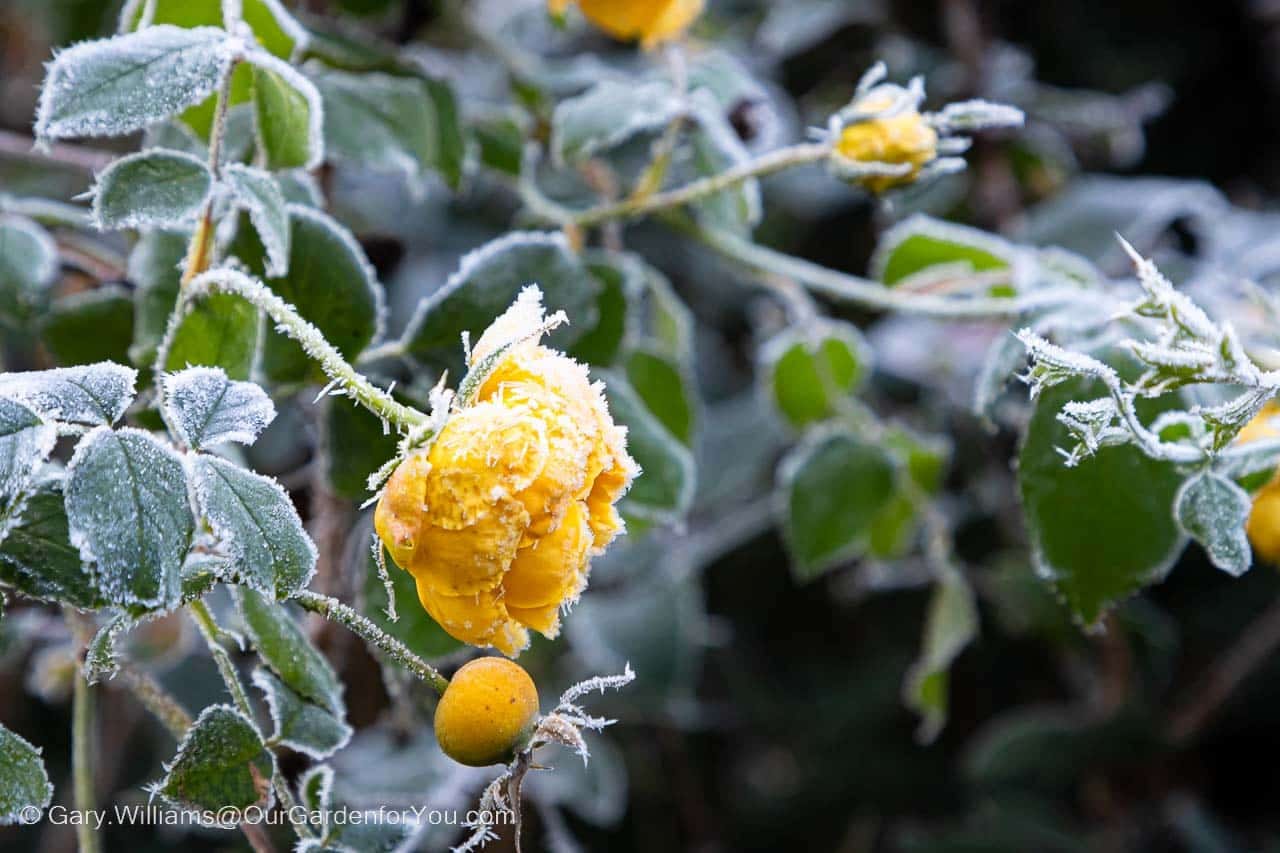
(205, 408)
(116, 86)
(94, 394)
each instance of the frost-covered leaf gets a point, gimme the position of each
(260, 195)
(809, 371)
(91, 394)
(315, 787)
(116, 86)
(608, 114)
(36, 554)
(26, 440)
(1100, 530)
(717, 148)
(288, 115)
(28, 265)
(155, 269)
(617, 276)
(487, 282)
(390, 124)
(256, 524)
(1213, 510)
(90, 326)
(922, 250)
(834, 485)
(299, 724)
(100, 658)
(149, 188)
(666, 389)
(221, 762)
(664, 489)
(221, 330)
(285, 648)
(128, 514)
(952, 623)
(206, 408)
(23, 780)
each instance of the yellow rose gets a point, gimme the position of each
(498, 519)
(649, 21)
(903, 139)
(1263, 525)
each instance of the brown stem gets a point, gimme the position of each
(1254, 646)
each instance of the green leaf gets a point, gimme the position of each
(834, 486)
(285, 648)
(116, 86)
(920, 247)
(258, 193)
(155, 269)
(221, 762)
(951, 625)
(391, 124)
(487, 282)
(153, 187)
(331, 284)
(205, 408)
(500, 138)
(128, 513)
(90, 394)
(299, 724)
(256, 524)
(26, 440)
(1103, 529)
(415, 627)
(617, 279)
(220, 330)
(36, 554)
(23, 780)
(608, 114)
(288, 115)
(90, 326)
(664, 489)
(810, 371)
(358, 445)
(28, 265)
(1213, 510)
(665, 389)
(716, 149)
(272, 25)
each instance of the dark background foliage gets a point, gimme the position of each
(787, 732)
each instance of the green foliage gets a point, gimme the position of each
(664, 489)
(153, 187)
(28, 263)
(90, 327)
(809, 372)
(23, 780)
(220, 331)
(220, 762)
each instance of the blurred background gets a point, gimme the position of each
(768, 711)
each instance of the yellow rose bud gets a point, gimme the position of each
(649, 21)
(498, 519)
(490, 706)
(1263, 526)
(905, 138)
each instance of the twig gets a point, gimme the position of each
(1254, 647)
(331, 608)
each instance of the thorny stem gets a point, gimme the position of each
(82, 733)
(312, 340)
(634, 207)
(332, 608)
(209, 630)
(869, 294)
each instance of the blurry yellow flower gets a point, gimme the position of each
(902, 139)
(498, 519)
(650, 21)
(1263, 525)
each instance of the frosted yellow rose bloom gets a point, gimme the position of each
(906, 138)
(649, 21)
(499, 518)
(1263, 525)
